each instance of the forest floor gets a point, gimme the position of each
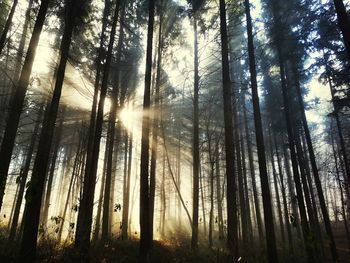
(175, 250)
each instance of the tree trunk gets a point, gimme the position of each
(268, 216)
(84, 220)
(51, 173)
(126, 189)
(35, 189)
(195, 149)
(285, 204)
(298, 186)
(218, 191)
(13, 118)
(144, 166)
(344, 25)
(252, 172)
(156, 116)
(274, 172)
(111, 130)
(7, 26)
(101, 195)
(24, 176)
(70, 187)
(229, 140)
(321, 198)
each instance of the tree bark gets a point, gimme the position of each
(84, 220)
(24, 176)
(8, 23)
(144, 166)
(36, 187)
(13, 118)
(268, 216)
(195, 149)
(51, 173)
(229, 140)
(111, 130)
(344, 25)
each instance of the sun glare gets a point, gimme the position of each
(130, 117)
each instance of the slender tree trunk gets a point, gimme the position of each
(35, 189)
(8, 23)
(201, 175)
(24, 176)
(84, 220)
(52, 172)
(144, 166)
(268, 216)
(246, 193)
(341, 136)
(195, 149)
(111, 130)
(274, 172)
(126, 188)
(101, 195)
(252, 172)
(70, 187)
(323, 206)
(229, 140)
(218, 191)
(285, 204)
(13, 118)
(22, 42)
(341, 193)
(344, 25)
(298, 186)
(156, 116)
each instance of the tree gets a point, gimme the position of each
(4, 33)
(144, 166)
(36, 187)
(229, 141)
(8, 140)
(344, 23)
(269, 228)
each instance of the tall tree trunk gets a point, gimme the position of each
(19, 56)
(195, 149)
(7, 26)
(218, 191)
(285, 204)
(126, 188)
(101, 195)
(274, 172)
(340, 135)
(321, 198)
(156, 116)
(246, 192)
(252, 172)
(144, 166)
(70, 187)
(341, 193)
(298, 186)
(242, 201)
(111, 130)
(24, 176)
(52, 172)
(229, 140)
(268, 216)
(84, 220)
(201, 187)
(13, 118)
(344, 25)
(36, 187)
